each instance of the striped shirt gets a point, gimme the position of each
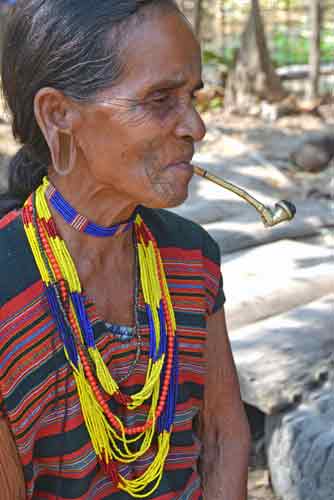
(37, 390)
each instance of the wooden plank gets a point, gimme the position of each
(282, 359)
(271, 279)
(233, 222)
(248, 231)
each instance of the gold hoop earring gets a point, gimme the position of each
(66, 153)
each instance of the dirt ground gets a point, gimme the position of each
(273, 142)
(259, 485)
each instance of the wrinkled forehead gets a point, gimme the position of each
(161, 48)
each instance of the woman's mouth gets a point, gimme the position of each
(182, 166)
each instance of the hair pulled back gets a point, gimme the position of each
(70, 45)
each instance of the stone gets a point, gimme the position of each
(300, 449)
(314, 153)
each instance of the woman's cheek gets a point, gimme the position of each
(164, 112)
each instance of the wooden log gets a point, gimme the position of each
(246, 230)
(271, 279)
(282, 359)
(302, 71)
(235, 224)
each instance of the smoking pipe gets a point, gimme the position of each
(283, 210)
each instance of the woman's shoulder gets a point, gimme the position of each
(17, 267)
(173, 230)
(9, 236)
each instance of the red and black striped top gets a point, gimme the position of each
(37, 391)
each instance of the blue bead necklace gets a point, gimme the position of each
(80, 222)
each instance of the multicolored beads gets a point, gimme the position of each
(111, 439)
(79, 222)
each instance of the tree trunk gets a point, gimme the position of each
(218, 24)
(315, 39)
(198, 13)
(253, 77)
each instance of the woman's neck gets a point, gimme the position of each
(101, 205)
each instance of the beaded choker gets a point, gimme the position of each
(112, 441)
(79, 222)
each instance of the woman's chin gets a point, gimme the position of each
(176, 200)
(172, 200)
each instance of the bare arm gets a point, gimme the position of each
(12, 485)
(224, 426)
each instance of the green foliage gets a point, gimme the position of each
(212, 57)
(287, 29)
(217, 102)
(285, 49)
(327, 46)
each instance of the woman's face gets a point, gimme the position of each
(138, 138)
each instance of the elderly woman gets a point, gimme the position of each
(114, 356)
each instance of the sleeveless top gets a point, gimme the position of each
(38, 396)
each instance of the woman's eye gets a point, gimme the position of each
(160, 99)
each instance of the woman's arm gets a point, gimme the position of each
(224, 426)
(12, 485)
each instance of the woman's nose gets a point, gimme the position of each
(190, 124)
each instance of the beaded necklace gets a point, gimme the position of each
(111, 439)
(80, 222)
(126, 333)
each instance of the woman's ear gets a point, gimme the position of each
(55, 113)
(58, 118)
